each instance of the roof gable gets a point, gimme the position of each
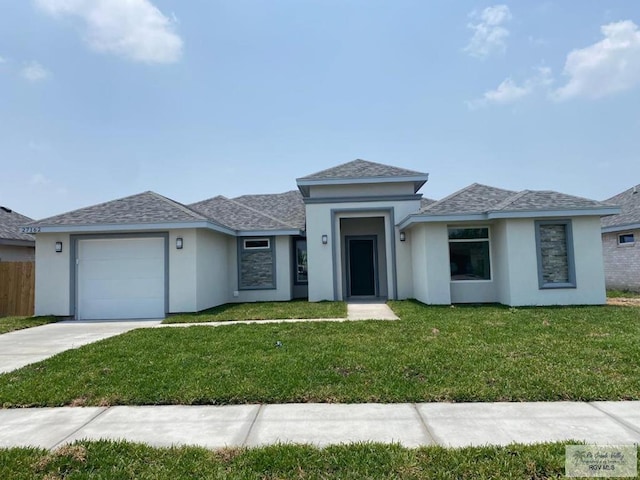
(629, 202)
(529, 200)
(361, 171)
(287, 207)
(237, 216)
(10, 223)
(475, 198)
(143, 208)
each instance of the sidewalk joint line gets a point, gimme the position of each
(430, 434)
(61, 442)
(253, 422)
(616, 418)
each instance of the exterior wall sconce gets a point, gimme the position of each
(179, 243)
(325, 239)
(403, 236)
(58, 247)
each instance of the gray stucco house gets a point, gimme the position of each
(621, 242)
(357, 230)
(15, 246)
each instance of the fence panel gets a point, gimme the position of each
(17, 288)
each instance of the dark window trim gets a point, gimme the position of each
(256, 239)
(294, 263)
(470, 240)
(240, 243)
(626, 244)
(571, 266)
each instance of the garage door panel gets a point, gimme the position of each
(105, 288)
(121, 278)
(136, 268)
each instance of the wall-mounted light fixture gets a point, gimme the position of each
(325, 239)
(403, 236)
(58, 247)
(179, 243)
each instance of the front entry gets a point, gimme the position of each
(361, 252)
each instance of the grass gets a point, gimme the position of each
(460, 354)
(123, 460)
(264, 311)
(10, 324)
(622, 294)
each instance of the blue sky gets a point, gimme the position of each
(100, 99)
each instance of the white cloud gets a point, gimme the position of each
(509, 91)
(609, 66)
(489, 35)
(39, 179)
(34, 72)
(133, 29)
(2, 60)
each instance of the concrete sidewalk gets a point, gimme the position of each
(371, 310)
(30, 345)
(412, 425)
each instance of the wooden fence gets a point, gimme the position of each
(17, 288)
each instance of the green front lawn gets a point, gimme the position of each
(122, 460)
(264, 311)
(460, 354)
(9, 324)
(622, 294)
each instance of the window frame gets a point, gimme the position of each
(571, 264)
(469, 240)
(295, 262)
(256, 239)
(241, 243)
(626, 244)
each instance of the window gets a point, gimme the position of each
(469, 257)
(256, 268)
(257, 244)
(626, 239)
(554, 241)
(301, 262)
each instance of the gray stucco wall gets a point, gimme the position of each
(621, 262)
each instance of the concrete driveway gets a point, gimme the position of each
(30, 345)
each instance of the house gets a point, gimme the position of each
(358, 230)
(620, 237)
(15, 246)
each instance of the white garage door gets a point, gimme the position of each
(121, 278)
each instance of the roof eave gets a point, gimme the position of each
(565, 212)
(128, 227)
(416, 179)
(430, 218)
(268, 233)
(17, 243)
(621, 228)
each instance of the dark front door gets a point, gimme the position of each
(362, 277)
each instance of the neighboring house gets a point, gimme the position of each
(358, 230)
(621, 242)
(15, 246)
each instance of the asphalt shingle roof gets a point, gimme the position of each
(237, 216)
(477, 198)
(548, 200)
(424, 202)
(287, 207)
(362, 169)
(10, 223)
(147, 207)
(629, 201)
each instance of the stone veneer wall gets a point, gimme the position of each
(621, 262)
(553, 246)
(256, 269)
